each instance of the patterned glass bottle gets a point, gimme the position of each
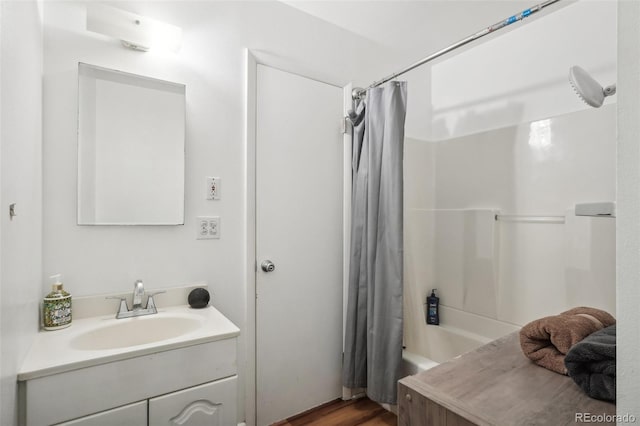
(56, 312)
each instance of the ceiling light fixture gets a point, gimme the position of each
(135, 31)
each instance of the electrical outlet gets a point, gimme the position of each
(214, 227)
(208, 227)
(213, 188)
(203, 228)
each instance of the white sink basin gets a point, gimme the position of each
(136, 331)
(92, 341)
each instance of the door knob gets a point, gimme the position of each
(267, 266)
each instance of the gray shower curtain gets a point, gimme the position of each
(373, 335)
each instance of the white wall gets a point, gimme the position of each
(210, 63)
(21, 183)
(628, 231)
(522, 75)
(535, 162)
(1, 244)
(104, 259)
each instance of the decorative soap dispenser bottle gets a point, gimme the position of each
(433, 306)
(56, 309)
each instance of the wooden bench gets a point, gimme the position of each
(494, 385)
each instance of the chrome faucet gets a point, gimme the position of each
(138, 293)
(136, 308)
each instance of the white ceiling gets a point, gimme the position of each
(415, 28)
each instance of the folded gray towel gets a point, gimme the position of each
(591, 363)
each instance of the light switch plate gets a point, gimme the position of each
(213, 188)
(208, 227)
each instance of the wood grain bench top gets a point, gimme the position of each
(497, 385)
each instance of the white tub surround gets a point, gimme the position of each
(495, 276)
(153, 368)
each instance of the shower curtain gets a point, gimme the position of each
(373, 335)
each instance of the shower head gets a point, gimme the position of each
(587, 88)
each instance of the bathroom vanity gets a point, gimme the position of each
(175, 367)
(493, 385)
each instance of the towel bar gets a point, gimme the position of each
(530, 219)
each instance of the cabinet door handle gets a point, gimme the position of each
(408, 397)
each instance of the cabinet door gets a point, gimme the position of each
(211, 404)
(129, 415)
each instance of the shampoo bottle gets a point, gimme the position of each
(56, 309)
(433, 302)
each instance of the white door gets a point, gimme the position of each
(299, 180)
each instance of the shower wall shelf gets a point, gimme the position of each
(601, 209)
(530, 219)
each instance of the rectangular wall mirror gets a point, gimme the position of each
(131, 149)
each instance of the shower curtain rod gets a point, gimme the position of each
(358, 92)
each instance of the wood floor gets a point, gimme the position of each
(358, 412)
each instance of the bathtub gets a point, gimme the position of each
(459, 332)
(413, 363)
(441, 343)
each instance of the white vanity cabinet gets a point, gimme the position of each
(211, 404)
(129, 415)
(192, 381)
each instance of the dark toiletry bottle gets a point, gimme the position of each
(433, 303)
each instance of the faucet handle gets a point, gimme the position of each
(151, 303)
(123, 303)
